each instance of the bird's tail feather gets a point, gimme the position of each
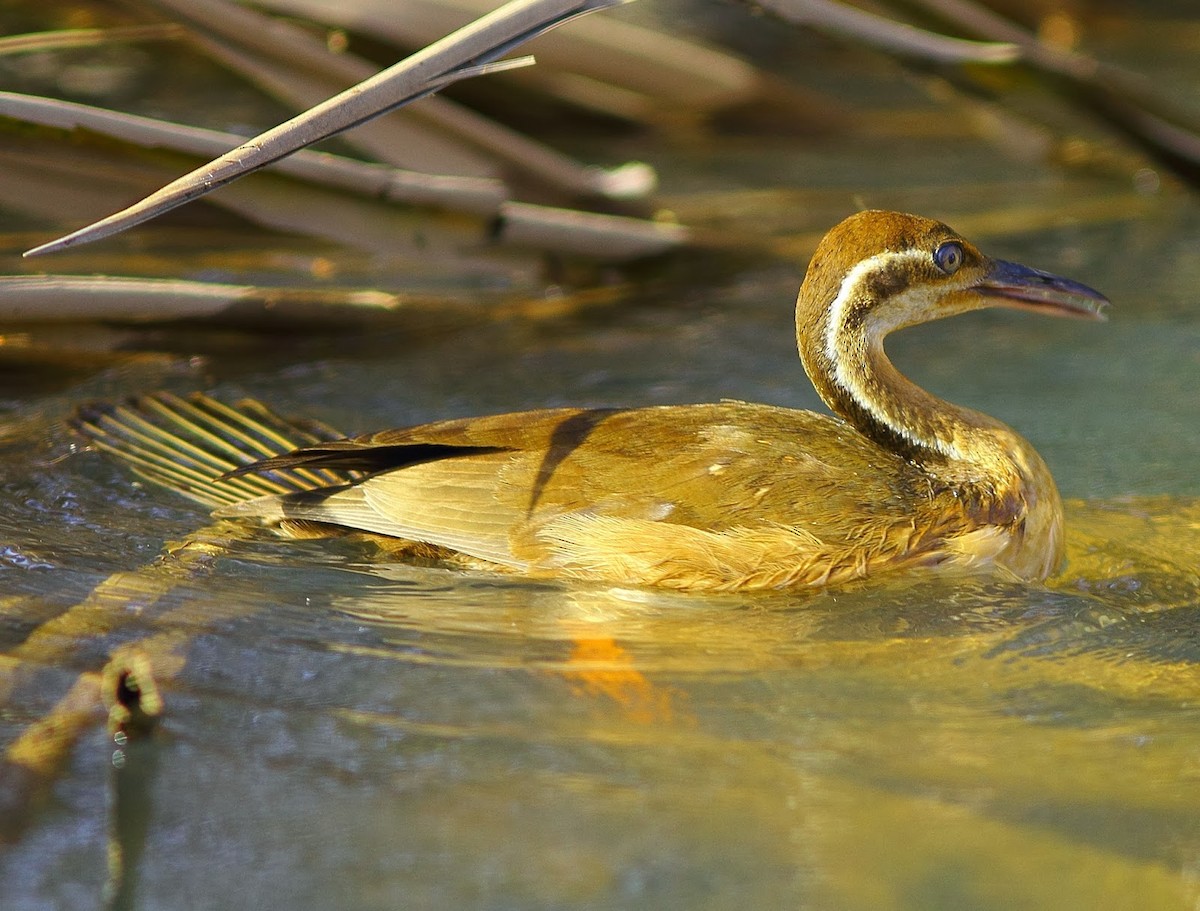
(187, 444)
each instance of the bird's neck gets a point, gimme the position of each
(996, 475)
(853, 374)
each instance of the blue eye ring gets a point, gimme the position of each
(949, 256)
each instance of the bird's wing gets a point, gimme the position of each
(542, 489)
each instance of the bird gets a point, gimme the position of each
(729, 496)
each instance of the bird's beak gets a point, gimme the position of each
(1030, 289)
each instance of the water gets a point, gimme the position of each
(343, 733)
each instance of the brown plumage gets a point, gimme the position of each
(713, 497)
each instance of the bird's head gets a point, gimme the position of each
(880, 271)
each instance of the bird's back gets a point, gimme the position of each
(708, 497)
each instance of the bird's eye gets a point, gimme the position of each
(949, 256)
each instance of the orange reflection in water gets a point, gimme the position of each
(599, 667)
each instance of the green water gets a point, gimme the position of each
(339, 733)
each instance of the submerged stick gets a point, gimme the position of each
(466, 52)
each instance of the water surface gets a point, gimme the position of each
(340, 732)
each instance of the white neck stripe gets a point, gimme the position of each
(840, 358)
